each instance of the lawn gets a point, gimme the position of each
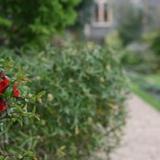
(148, 88)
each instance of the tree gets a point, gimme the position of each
(129, 22)
(24, 21)
(84, 13)
(155, 44)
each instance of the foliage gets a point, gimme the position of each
(33, 21)
(129, 22)
(84, 13)
(147, 87)
(139, 57)
(113, 39)
(155, 44)
(15, 132)
(152, 39)
(79, 90)
(143, 56)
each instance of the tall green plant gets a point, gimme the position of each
(155, 44)
(84, 13)
(130, 22)
(28, 21)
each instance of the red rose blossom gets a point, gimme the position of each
(16, 92)
(3, 105)
(4, 83)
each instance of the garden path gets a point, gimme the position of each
(141, 140)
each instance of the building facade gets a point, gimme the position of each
(105, 16)
(101, 22)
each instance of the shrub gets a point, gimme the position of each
(129, 22)
(15, 133)
(33, 21)
(155, 45)
(151, 39)
(84, 14)
(140, 60)
(79, 90)
(113, 40)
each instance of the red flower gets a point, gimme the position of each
(3, 105)
(4, 83)
(16, 92)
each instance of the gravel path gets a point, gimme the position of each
(141, 139)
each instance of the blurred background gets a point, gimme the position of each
(91, 76)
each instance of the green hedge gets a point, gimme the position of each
(78, 91)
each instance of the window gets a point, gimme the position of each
(102, 14)
(106, 18)
(96, 12)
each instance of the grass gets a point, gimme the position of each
(153, 79)
(146, 96)
(148, 80)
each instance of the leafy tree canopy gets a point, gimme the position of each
(24, 21)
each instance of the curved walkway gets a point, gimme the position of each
(141, 139)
